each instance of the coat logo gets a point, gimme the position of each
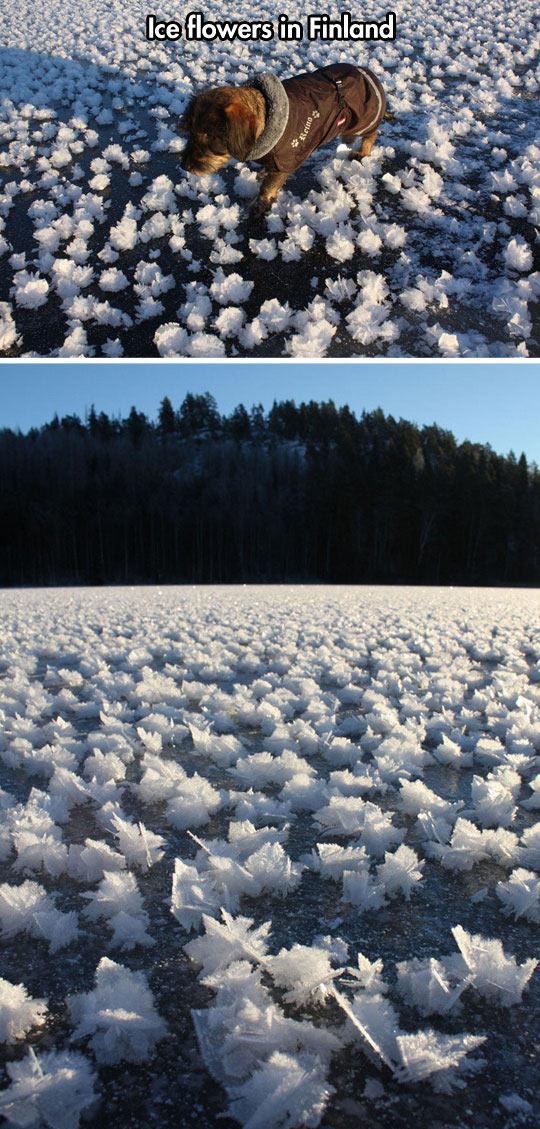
(302, 136)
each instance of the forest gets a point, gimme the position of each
(307, 492)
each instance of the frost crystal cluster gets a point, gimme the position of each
(262, 855)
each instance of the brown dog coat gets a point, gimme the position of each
(323, 104)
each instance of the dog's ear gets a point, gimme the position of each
(241, 126)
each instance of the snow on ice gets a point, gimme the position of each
(428, 247)
(306, 851)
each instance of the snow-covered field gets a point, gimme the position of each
(310, 815)
(426, 249)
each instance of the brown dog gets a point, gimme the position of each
(280, 124)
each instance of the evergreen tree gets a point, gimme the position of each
(136, 426)
(257, 421)
(167, 422)
(92, 421)
(238, 424)
(199, 415)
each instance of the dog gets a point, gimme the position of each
(280, 124)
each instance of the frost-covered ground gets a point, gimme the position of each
(309, 815)
(107, 248)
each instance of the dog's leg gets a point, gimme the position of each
(366, 146)
(271, 184)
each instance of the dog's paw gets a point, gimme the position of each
(260, 207)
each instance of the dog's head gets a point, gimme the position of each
(220, 124)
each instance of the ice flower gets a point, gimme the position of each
(19, 1012)
(119, 901)
(437, 1058)
(233, 938)
(29, 909)
(285, 1092)
(360, 889)
(51, 1089)
(429, 986)
(118, 1015)
(520, 895)
(493, 974)
(139, 846)
(400, 871)
(192, 895)
(305, 971)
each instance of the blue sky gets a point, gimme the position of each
(497, 404)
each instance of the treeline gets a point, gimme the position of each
(303, 492)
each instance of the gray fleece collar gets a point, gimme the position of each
(277, 114)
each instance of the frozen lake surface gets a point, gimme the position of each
(307, 813)
(425, 249)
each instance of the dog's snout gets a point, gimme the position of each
(201, 163)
